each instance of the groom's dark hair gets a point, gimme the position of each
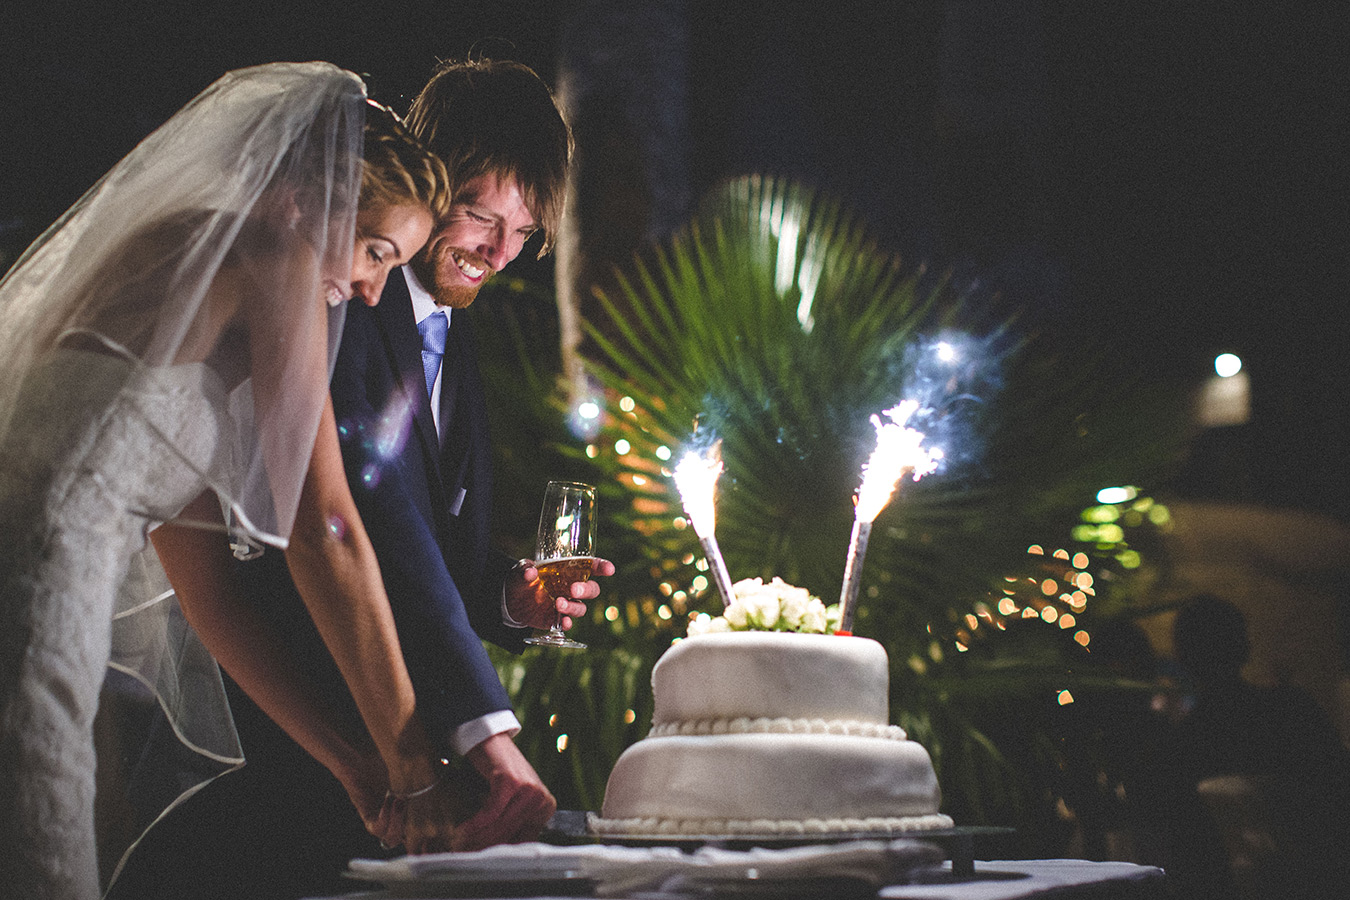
(495, 116)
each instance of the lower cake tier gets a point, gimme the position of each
(771, 784)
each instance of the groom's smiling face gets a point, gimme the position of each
(486, 228)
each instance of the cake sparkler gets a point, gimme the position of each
(696, 478)
(899, 449)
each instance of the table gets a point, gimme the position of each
(1052, 879)
(1042, 879)
(963, 876)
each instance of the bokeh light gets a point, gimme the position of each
(1226, 365)
(1116, 494)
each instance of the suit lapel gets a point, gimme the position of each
(452, 368)
(455, 371)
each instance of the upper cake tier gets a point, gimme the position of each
(761, 674)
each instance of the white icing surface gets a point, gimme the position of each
(771, 776)
(771, 733)
(765, 674)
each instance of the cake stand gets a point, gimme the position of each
(568, 826)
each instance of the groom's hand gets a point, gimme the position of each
(518, 805)
(528, 602)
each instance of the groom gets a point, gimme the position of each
(424, 496)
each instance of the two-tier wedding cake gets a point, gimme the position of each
(771, 733)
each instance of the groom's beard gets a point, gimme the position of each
(456, 296)
(446, 284)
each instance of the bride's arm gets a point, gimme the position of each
(334, 567)
(200, 567)
(329, 553)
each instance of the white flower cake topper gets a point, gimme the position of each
(776, 606)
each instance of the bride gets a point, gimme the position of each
(164, 358)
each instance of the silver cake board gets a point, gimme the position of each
(568, 826)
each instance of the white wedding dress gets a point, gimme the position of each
(167, 335)
(99, 453)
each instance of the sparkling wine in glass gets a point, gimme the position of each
(565, 549)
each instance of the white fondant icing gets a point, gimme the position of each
(770, 733)
(771, 776)
(766, 674)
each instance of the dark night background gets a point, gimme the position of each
(1162, 180)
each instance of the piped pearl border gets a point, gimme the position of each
(786, 827)
(746, 725)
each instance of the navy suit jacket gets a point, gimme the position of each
(426, 508)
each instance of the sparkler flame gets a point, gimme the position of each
(899, 449)
(696, 479)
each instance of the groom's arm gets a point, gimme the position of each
(454, 679)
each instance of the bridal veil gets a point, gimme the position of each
(254, 182)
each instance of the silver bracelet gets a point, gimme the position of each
(417, 793)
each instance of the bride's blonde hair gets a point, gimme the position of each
(397, 167)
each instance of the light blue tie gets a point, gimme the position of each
(433, 329)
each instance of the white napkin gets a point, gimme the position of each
(623, 870)
(524, 862)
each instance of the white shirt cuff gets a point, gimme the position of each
(475, 731)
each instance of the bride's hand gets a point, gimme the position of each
(367, 786)
(427, 820)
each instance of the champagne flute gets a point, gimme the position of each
(565, 549)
